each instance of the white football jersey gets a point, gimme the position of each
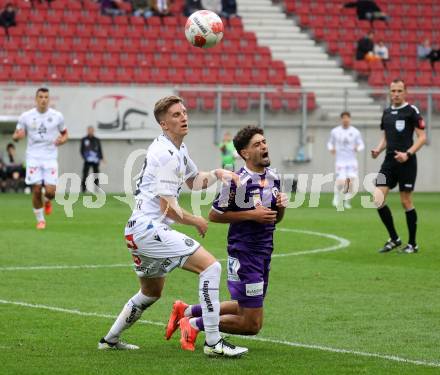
(165, 170)
(346, 142)
(42, 130)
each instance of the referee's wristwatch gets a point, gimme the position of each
(409, 154)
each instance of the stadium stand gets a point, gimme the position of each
(410, 23)
(71, 42)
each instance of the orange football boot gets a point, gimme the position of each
(47, 207)
(188, 335)
(177, 313)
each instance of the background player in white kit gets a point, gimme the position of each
(345, 141)
(45, 130)
(155, 247)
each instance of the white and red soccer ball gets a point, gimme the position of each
(204, 29)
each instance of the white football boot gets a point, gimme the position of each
(224, 349)
(104, 345)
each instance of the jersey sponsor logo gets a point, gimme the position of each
(189, 242)
(233, 267)
(42, 130)
(254, 289)
(400, 125)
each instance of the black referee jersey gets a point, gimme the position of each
(399, 124)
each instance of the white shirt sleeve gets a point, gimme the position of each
(191, 169)
(167, 179)
(359, 142)
(331, 144)
(21, 124)
(61, 126)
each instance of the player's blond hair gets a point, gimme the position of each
(162, 105)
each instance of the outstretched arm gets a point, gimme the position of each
(260, 214)
(205, 179)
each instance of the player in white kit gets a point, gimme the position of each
(155, 247)
(345, 141)
(45, 131)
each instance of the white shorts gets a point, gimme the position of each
(156, 248)
(344, 171)
(41, 171)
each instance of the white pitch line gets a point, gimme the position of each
(342, 242)
(253, 338)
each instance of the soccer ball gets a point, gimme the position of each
(204, 29)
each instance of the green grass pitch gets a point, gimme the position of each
(347, 311)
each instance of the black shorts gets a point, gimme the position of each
(392, 173)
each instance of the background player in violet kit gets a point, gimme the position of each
(252, 210)
(45, 130)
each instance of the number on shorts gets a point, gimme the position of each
(130, 242)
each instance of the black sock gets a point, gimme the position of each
(411, 221)
(387, 219)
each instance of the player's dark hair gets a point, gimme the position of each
(244, 136)
(345, 113)
(398, 80)
(161, 107)
(42, 89)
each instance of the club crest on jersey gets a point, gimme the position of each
(275, 191)
(400, 125)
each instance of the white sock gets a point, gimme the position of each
(209, 300)
(131, 312)
(188, 311)
(39, 214)
(193, 323)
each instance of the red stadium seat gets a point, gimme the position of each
(207, 101)
(274, 101)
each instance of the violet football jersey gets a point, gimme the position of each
(256, 189)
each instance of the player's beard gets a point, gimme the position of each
(265, 163)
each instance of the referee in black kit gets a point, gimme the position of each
(400, 165)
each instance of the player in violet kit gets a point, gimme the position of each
(252, 210)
